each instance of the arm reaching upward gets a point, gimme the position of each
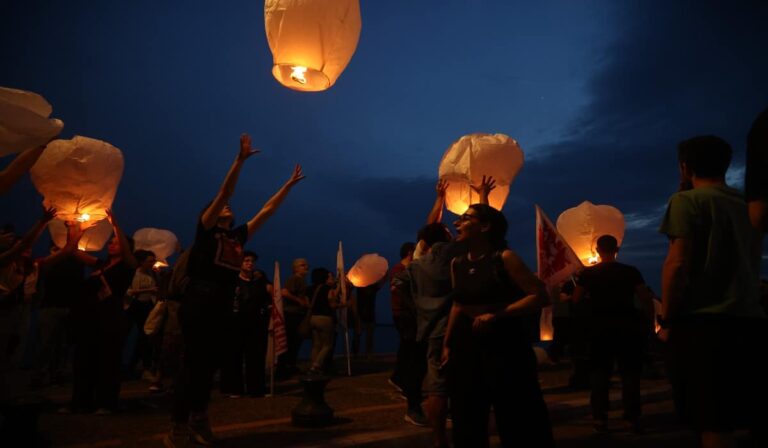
(436, 214)
(270, 207)
(484, 189)
(211, 214)
(125, 248)
(20, 165)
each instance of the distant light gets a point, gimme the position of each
(298, 74)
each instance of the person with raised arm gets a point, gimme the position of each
(430, 287)
(213, 268)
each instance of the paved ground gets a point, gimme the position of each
(369, 412)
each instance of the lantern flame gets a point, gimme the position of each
(594, 259)
(85, 217)
(298, 74)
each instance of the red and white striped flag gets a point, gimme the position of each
(278, 339)
(555, 259)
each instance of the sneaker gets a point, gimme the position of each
(178, 437)
(234, 396)
(103, 411)
(200, 431)
(156, 388)
(416, 417)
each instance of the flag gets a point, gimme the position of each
(342, 277)
(555, 259)
(278, 339)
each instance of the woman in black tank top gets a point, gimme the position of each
(487, 351)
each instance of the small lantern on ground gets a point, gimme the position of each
(312, 41)
(476, 155)
(581, 226)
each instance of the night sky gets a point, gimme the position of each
(597, 93)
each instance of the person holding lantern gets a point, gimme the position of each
(430, 287)
(214, 264)
(487, 349)
(98, 326)
(616, 333)
(711, 317)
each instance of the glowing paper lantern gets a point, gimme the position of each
(581, 227)
(24, 121)
(546, 328)
(474, 156)
(93, 238)
(162, 243)
(78, 177)
(369, 269)
(312, 41)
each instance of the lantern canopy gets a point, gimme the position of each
(474, 156)
(24, 122)
(312, 41)
(78, 177)
(581, 226)
(369, 269)
(93, 238)
(162, 243)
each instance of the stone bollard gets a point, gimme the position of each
(312, 410)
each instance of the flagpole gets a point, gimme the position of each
(342, 277)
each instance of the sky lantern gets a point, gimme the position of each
(581, 226)
(312, 41)
(79, 178)
(24, 122)
(163, 243)
(93, 239)
(369, 269)
(476, 155)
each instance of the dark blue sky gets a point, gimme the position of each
(597, 93)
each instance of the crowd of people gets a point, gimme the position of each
(465, 306)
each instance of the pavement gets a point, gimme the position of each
(368, 412)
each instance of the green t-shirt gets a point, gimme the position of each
(725, 259)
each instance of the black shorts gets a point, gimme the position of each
(717, 366)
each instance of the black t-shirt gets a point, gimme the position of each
(252, 296)
(322, 306)
(217, 255)
(483, 281)
(611, 289)
(62, 283)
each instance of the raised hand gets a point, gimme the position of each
(74, 233)
(110, 216)
(441, 188)
(48, 214)
(245, 148)
(296, 176)
(486, 185)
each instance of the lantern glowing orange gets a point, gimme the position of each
(160, 242)
(474, 156)
(369, 269)
(93, 238)
(24, 121)
(78, 177)
(546, 328)
(312, 41)
(581, 226)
